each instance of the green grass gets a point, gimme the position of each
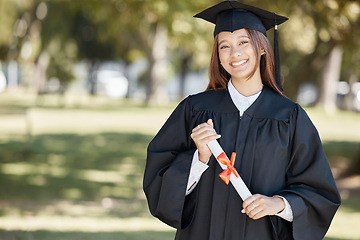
(75, 171)
(51, 235)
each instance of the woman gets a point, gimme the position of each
(279, 153)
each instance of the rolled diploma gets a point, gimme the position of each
(238, 183)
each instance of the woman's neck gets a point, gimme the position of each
(248, 87)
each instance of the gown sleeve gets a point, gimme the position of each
(311, 189)
(169, 157)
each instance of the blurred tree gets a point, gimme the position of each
(151, 28)
(87, 31)
(8, 17)
(61, 63)
(108, 30)
(314, 31)
(22, 32)
(191, 43)
(164, 30)
(70, 35)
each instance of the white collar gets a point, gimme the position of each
(240, 101)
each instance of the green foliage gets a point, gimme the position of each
(112, 30)
(15, 25)
(8, 17)
(62, 59)
(75, 24)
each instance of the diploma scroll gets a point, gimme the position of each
(237, 182)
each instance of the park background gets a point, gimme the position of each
(85, 85)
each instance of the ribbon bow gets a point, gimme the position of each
(225, 175)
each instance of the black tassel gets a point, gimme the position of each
(277, 58)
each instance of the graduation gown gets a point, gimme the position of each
(278, 151)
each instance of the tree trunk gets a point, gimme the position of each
(350, 96)
(184, 69)
(92, 78)
(40, 73)
(312, 63)
(156, 92)
(130, 80)
(330, 78)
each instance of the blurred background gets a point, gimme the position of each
(86, 84)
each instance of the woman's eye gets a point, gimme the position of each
(223, 47)
(243, 42)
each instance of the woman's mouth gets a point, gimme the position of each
(237, 64)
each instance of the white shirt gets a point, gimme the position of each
(242, 103)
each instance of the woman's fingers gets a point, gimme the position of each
(202, 135)
(253, 207)
(202, 126)
(257, 214)
(258, 206)
(210, 122)
(250, 200)
(205, 138)
(204, 132)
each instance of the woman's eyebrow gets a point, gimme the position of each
(221, 41)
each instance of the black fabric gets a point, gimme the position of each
(234, 15)
(232, 20)
(278, 153)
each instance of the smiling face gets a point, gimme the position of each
(237, 55)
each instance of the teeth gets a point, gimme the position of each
(239, 63)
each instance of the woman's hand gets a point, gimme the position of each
(258, 206)
(202, 135)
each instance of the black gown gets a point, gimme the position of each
(278, 151)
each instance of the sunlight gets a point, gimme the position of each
(344, 224)
(101, 176)
(18, 168)
(32, 169)
(85, 224)
(56, 171)
(38, 180)
(72, 193)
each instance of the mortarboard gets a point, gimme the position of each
(230, 16)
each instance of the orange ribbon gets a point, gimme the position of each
(225, 175)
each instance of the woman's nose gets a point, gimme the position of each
(236, 52)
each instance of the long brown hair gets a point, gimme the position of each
(219, 77)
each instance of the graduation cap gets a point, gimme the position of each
(229, 16)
